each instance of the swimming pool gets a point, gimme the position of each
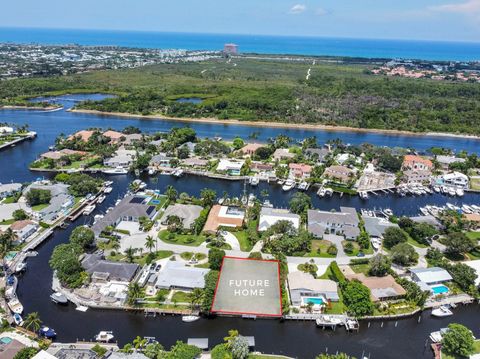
(314, 300)
(6, 340)
(439, 289)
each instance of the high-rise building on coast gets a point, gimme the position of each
(230, 49)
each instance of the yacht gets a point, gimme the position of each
(267, 204)
(107, 190)
(452, 192)
(424, 211)
(101, 199)
(363, 194)
(436, 189)
(152, 172)
(21, 267)
(437, 336)
(254, 181)
(328, 192)
(289, 184)
(451, 206)
(58, 298)
(47, 332)
(303, 186)
(190, 318)
(441, 311)
(460, 192)
(89, 209)
(321, 192)
(388, 212)
(104, 336)
(467, 209)
(178, 173)
(15, 306)
(116, 171)
(18, 319)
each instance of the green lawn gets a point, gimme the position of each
(414, 243)
(360, 268)
(245, 245)
(473, 235)
(7, 221)
(181, 297)
(356, 249)
(182, 239)
(319, 249)
(39, 207)
(450, 356)
(9, 200)
(224, 246)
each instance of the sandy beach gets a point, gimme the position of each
(274, 124)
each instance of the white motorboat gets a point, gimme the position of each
(452, 191)
(460, 192)
(18, 319)
(104, 336)
(21, 267)
(363, 194)
(178, 173)
(303, 186)
(108, 190)
(152, 172)
(388, 212)
(58, 298)
(321, 192)
(424, 211)
(254, 181)
(15, 306)
(267, 204)
(190, 318)
(328, 192)
(466, 209)
(116, 171)
(441, 311)
(97, 217)
(436, 189)
(289, 184)
(451, 206)
(101, 198)
(437, 336)
(89, 209)
(108, 183)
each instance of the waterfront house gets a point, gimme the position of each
(224, 216)
(6, 130)
(160, 160)
(249, 149)
(376, 226)
(270, 216)
(188, 213)
(103, 270)
(261, 167)
(343, 223)
(381, 288)
(176, 275)
(195, 162)
(318, 154)
(455, 179)
(430, 276)
(83, 135)
(303, 286)
(299, 170)
(23, 229)
(473, 218)
(283, 154)
(130, 209)
(9, 189)
(412, 162)
(114, 136)
(132, 138)
(58, 155)
(416, 176)
(121, 158)
(230, 167)
(339, 173)
(446, 161)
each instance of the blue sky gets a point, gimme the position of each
(402, 19)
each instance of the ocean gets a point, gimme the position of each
(318, 46)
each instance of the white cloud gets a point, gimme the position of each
(298, 9)
(470, 7)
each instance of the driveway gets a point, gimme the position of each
(231, 240)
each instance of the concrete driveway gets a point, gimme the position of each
(231, 240)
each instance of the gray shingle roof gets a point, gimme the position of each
(121, 271)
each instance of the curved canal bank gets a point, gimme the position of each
(392, 339)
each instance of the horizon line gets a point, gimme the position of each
(239, 34)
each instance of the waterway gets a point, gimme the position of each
(402, 339)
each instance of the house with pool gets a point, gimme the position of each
(431, 279)
(304, 289)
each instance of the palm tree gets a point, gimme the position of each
(171, 193)
(139, 343)
(150, 242)
(134, 293)
(32, 322)
(130, 253)
(196, 296)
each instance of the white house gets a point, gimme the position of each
(24, 229)
(430, 276)
(5, 129)
(270, 216)
(229, 166)
(8, 189)
(122, 158)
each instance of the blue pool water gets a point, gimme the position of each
(155, 202)
(194, 100)
(440, 289)
(5, 340)
(318, 301)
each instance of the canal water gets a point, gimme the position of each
(402, 339)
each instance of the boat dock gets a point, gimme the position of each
(29, 136)
(328, 321)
